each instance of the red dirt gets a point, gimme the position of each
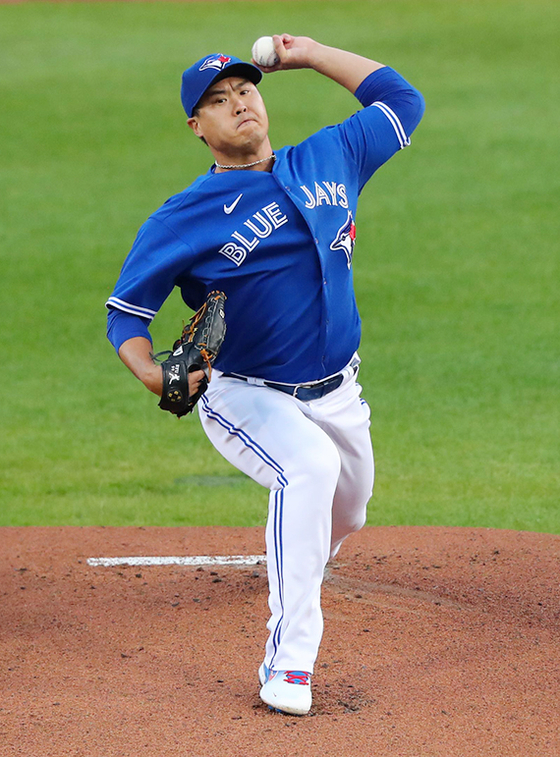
(438, 642)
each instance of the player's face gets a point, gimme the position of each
(232, 117)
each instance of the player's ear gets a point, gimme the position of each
(194, 125)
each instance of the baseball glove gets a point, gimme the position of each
(196, 349)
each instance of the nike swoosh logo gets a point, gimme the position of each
(230, 208)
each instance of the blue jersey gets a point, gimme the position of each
(279, 244)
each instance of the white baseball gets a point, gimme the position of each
(263, 52)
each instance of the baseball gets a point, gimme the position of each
(263, 52)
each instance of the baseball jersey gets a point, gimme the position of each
(279, 244)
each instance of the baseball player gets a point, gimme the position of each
(275, 231)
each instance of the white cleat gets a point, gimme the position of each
(264, 673)
(287, 691)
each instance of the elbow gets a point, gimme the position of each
(122, 326)
(421, 105)
(416, 109)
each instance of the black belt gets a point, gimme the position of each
(303, 392)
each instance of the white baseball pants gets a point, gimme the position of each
(317, 460)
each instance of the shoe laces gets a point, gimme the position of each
(297, 676)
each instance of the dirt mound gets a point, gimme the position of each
(438, 642)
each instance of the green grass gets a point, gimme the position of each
(456, 265)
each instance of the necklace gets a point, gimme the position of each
(248, 165)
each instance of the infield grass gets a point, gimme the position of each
(456, 263)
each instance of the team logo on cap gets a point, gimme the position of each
(346, 238)
(217, 62)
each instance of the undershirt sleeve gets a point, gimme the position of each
(122, 326)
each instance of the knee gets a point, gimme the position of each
(358, 522)
(351, 522)
(350, 511)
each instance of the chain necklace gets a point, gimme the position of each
(248, 165)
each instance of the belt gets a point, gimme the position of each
(303, 392)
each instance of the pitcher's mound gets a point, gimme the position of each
(439, 642)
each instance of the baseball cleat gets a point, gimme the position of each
(264, 673)
(287, 691)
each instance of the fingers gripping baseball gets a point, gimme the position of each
(292, 52)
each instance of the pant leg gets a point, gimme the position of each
(266, 434)
(345, 418)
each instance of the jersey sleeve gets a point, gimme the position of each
(157, 258)
(392, 110)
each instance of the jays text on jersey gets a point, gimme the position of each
(279, 244)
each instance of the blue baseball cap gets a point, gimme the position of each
(208, 70)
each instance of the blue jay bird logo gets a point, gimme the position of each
(345, 238)
(216, 61)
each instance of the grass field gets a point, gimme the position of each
(456, 264)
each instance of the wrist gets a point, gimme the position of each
(152, 378)
(317, 53)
